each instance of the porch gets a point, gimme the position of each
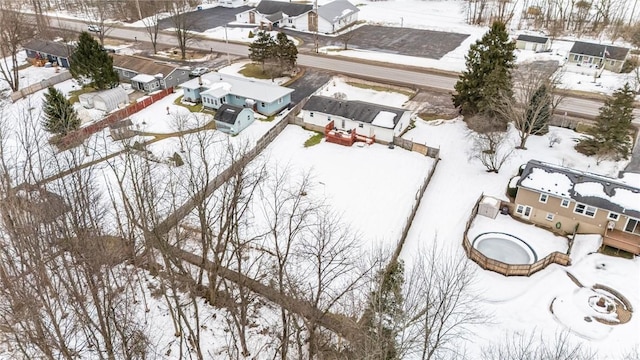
(622, 240)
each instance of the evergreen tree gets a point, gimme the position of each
(90, 62)
(488, 73)
(261, 49)
(610, 136)
(539, 111)
(59, 115)
(386, 310)
(285, 51)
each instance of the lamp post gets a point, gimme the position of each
(226, 40)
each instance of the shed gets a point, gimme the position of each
(489, 207)
(534, 43)
(86, 100)
(110, 100)
(233, 119)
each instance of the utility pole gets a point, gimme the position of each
(315, 24)
(138, 8)
(226, 40)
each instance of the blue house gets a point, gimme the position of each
(233, 119)
(51, 51)
(215, 89)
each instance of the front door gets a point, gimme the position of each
(252, 18)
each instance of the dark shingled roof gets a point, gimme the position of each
(227, 114)
(610, 185)
(533, 39)
(597, 50)
(50, 47)
(268, 7)
(355, 110)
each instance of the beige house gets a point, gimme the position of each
(565, 199)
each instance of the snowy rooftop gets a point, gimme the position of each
(355, 110)
(251, 89)
(591, 189)
(143, 78)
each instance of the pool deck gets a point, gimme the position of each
(541, 241)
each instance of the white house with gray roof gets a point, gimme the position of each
(565, 200)
(366, 119)
(327, 18)
(533, 43)
(215, 89)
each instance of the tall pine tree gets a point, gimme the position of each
(610, 137)
(286, 52)
(261, 49)
(59, 115)
(488, 73)
(90, 64)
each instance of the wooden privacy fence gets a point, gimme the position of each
(17, 95)
(419, 148)
(503, 268)
(76, 137)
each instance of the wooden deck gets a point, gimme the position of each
(623, 241)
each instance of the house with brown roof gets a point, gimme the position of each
(571, 201)
(146, 74)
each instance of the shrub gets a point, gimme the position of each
(251, 35)
(314, 140)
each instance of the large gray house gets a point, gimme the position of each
(148, 75)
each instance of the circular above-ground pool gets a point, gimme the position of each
(505, 248)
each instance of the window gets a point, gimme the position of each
(549, 217)
(523, 210)
(361, 125)
(310, 114)
(585, 210)
(280, 101)
(544, 198)
(565, 203)
(613, 216)
(238, 97)
(633, 226)
(263, 105)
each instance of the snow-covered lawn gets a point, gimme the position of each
(372, 187)
(339, 85)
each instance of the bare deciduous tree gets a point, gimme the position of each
(14, 31)
(491, 146)
(533, 346)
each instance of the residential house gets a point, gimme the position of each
(269, 14)
(50, 51)
(216, 89)
(148, 75)
(598, 55)
(569, 200)
(369, 120)
(336, 15)
(533, 43)
(327, 18)
(233, 119)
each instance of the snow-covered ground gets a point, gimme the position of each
(517, 304)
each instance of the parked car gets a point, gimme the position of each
(198, 71)
(94, 28)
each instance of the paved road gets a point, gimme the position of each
(579, 107)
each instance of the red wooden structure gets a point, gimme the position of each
(346, 138)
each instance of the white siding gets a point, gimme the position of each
(299, 22)
(368, 130)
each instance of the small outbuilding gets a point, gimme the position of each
(489, 207)
(233, 119)
(533, 43)
(107, 100)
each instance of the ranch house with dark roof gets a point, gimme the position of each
(370, 120)
(533, 43)
(52, 51)
(598, 55)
